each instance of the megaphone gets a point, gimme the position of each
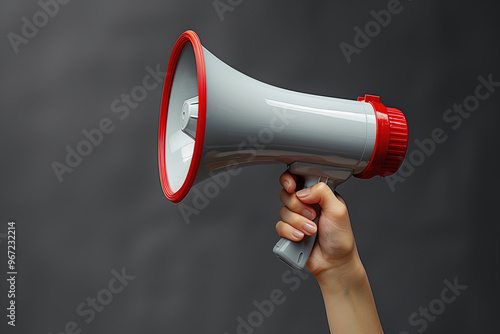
(210, 113)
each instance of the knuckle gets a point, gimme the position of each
(340, 211)
(295, 204)
(278, 224)
(283, 211)
(322, 187)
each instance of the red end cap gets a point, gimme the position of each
(391, 142)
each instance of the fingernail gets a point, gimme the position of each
(303, 192)
(309, 228)
(297, 234)
(308, 214)
(286, 185)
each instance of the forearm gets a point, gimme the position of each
(349, 302)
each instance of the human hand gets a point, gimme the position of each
(334, 259)
(335, 248)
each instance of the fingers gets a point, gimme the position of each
(289, 182)
(322, 194)
(297, 221)
(297, 216)
(294, 204)
(294, 226)
(287, 231)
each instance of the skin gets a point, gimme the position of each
(334, 260)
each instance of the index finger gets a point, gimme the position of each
(289, 182)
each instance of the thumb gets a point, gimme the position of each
(322, 194)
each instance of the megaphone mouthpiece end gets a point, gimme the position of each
(183, 162)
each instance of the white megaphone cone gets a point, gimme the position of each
(213, 116)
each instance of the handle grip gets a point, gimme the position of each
(296, 253)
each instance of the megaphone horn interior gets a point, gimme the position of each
(182, 117)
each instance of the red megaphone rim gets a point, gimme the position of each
(191, 37)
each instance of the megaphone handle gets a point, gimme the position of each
(296, 253)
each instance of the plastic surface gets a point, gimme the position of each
(242, 121)
(214, 117)
(189, 117)
(391, 142)
(179, 154)
(250, 122)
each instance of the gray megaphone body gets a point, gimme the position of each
(213, 117)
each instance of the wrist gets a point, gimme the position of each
(350, 274)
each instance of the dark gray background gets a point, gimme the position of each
(110, 212)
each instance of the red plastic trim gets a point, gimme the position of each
(391, 141)
(191, 37)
